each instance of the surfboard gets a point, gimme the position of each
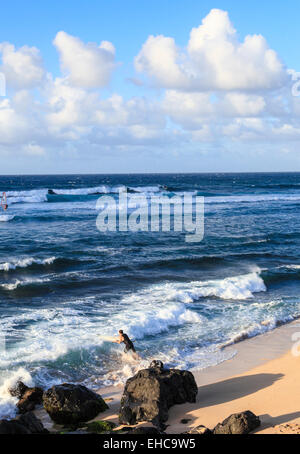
(107, 338)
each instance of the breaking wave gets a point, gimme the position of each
(25, 263)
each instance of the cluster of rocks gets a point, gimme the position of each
(147, 397)
(24, 424)
(67, 404)
(151, 392)
(236, 424)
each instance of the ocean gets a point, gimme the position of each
(65, 286)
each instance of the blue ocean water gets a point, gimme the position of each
(64, 285)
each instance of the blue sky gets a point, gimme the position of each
(179, 141)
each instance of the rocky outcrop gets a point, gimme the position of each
(29, 397)
(25, 424)
(151, 392)
(29, 400)
(18, 389)
(238, 423)
(72, 404)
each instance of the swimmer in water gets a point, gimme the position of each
(4, 201)
(123, 338)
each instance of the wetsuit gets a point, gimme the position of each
(128, 344)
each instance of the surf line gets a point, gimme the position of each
(179, 213)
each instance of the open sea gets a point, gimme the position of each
(64, 285)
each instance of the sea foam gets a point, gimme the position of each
(25, 262)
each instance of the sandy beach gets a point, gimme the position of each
(262, 377)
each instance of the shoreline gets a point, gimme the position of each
(262, 370)
(266, 352)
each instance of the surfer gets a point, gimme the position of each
(124, 339)
(4, 201)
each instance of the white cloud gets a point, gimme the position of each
(23, 67)
(214, 59)
(158, 59)
(219, 92)
(86, 65)
(13, 127)
(34, 150)
(240, 104)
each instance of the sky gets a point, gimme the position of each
(140, 86)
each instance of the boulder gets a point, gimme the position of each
(72, 404)
(12, 427)
(156, 364)
(32, 423)
(25, 424)
(238, 423)
(18, 389)
(151, 392)
(31, 398)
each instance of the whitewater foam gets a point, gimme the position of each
(235, 288)
(14, 285)
(25, 262)
(8, 407)
(257, 329)
(252, 198)
(7, 217)
(33, 196)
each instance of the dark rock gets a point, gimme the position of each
(72, 404)
(18, 389)
(238, 423)
(151, 392)
(156, 364)
(32, 423)
(31, 398)
(51, 192)
(200, 430)
(185, 421)
(12, 427)
(25, 424)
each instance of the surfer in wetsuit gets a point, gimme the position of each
(4, 201)
(123, 338)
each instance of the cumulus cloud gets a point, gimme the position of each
(86, 65)
(10, 123)
(23, 67)
(214, 59)
(216, 92)
(34, 149)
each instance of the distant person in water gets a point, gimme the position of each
(4, 201)
(124, 339)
